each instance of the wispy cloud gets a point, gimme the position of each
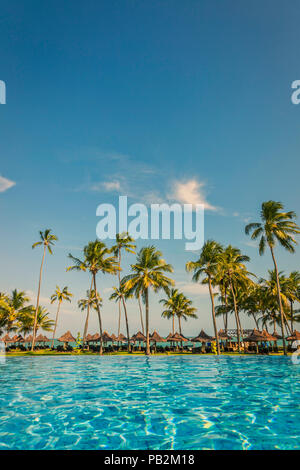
(5, 184)
(193, 288)
(190, 192)
(108, 186)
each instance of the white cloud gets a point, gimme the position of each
(5, 184)
(33, 298)
(193, 288)
(190, 192)
(109, 186)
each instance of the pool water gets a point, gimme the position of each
(175, 402)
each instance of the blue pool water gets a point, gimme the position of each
(175, 402)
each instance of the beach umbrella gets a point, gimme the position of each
(67, 338)
(294, 336)
(178, 337)
(255, 337)
(96, 337)
(39, 339)
(202, 338)
(139, 337)
(276, 335)
(156, 338)
(113, 337)
(6, 339)
(121, 338)
(88, 338)
(268, 336)
(106, 337)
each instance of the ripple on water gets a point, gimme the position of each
(149, 403)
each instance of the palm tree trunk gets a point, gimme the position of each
(38, 301)
(292, 317)
(236, 315)
(141, 315)
(124, 304)
(279, 301)
(173, 324)
(147, 322)
(119, 321)
(54, 331)
(226, 315)
(179, 325)
(86, 325)
(213, 314)
(99, 315)
(255, 320)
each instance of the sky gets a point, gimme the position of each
(162, 101)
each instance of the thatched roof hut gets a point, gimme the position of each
(202, 338)
(156, 338)
(223, 335)
(88, 338)
(276, 335)
(268, 336)
(178, 337)
(67, 338)
(139, 337)
(113, 337)
(106, 337)
(255, 337)
(6, 339)
(40, 339)
(121, 337)
(95, 337)
(294, 336)
(28, 339)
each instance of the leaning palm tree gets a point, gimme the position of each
(276, 226)
(12, 307)
(206, 267)
(148, 273)
(123, 242)
(96, 259)
(90, 301)
(60, 296)
(28, 319)
(47, 240)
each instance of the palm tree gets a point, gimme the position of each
(123, 242)
(59, 295)
(121, 294)
(276, 226)
(207, 266)
(12, 307)
(47, 239)
(231, 266)
(177, 305)
(149, 273)
(96, 259)
(86, 304)
(293, 293)
(28, 319)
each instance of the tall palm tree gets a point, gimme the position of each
(60, 296)
(121, 294)
(47, 240)
(231, 266)
(148, 273)
(206, 267)
(276, 226)
(123, 242)
(96, 259)
(90, 301)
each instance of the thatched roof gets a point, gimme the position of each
(67, 338)
(139, 337)
(40, 339)
(255, 337)
(156, 338)
(20, 339)
(106, 337)
(95, 337)
(268, 336)
(121, 337)
(88, 338)
(113, 337)
(202, 338)
(223, 335)
(169, 337)
(178, 337)
(28, 339)
(276, 335)
(6, 338)
(294, 336)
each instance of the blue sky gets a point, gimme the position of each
(146, 99)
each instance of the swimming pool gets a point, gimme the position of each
(175, 402)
